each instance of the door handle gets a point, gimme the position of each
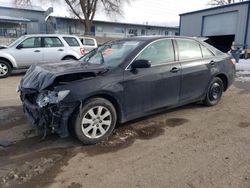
(37, 51)
(212, 62)
(60, 50)
(174, 70)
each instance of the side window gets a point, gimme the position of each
(188, 49)
(33, 42)
(206, 52)
(159, 52)
(72, 41)
(52, 42)
(89, 42)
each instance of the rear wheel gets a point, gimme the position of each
(5, 69)
(214, 92)
(69, 58)
(95, 121)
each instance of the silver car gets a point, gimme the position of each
(38, 49)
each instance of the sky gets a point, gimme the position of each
(155, 12)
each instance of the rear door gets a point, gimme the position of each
(30, 53)
(158, 86)
(196, 64)
(54, 49)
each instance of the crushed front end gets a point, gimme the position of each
(50, 93)
(47, 111)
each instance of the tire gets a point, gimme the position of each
(5, 69)
(89, 126)
(68, 58)
(214, 93)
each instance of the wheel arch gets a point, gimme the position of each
(113, 100)
(8, 61)
(71, 56)
(224, 79)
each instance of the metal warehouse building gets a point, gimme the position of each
(223, 25)
(15, 21)
(66, 25)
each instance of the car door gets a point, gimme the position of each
(28, 52)
(155, 87)
(54, 49)
(195, 69)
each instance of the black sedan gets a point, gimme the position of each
(123, 80)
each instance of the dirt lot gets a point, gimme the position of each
(192, 146)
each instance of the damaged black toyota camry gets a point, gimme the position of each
(123, 80)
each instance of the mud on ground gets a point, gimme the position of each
(192, 146)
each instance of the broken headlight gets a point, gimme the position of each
(51, 97)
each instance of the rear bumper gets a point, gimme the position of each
(231, 76)
(52, 117)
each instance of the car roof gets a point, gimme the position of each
(48, 35)
(86, 38)
(156, 37)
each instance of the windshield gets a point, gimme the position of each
(17, 41)
(111, 54)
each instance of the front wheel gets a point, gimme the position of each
(214, 92)
(95, 121)
(5, 69)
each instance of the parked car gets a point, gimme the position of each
(38, 49)
(123, 80)
(88, 43)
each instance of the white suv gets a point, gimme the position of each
(38, 49)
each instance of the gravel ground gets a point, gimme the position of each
(192, 146)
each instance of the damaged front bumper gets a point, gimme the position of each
(50, 117)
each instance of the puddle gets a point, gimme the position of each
(174, 122)
(31, 161)
(244, 124)
(125, 136)
(75, 185)
(9, 116)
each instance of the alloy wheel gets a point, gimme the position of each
(3, 69)
(96, 122)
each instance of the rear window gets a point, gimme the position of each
(206, 52)
(71, 41)
(89, 42)
(189, 49)
(52, 42)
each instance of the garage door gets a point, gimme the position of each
(220, 24)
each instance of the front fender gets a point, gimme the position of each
(10, 58)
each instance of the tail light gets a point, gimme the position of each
(232, 61)
(82, 51)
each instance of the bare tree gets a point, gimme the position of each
(223, 2)
(85, 10)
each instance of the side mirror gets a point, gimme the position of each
(20, 46)
(140, 63)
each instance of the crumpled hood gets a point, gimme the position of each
(38, 77)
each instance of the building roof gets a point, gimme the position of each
(28, 7)
(217, 7)
(122, 23)
(13, 19)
